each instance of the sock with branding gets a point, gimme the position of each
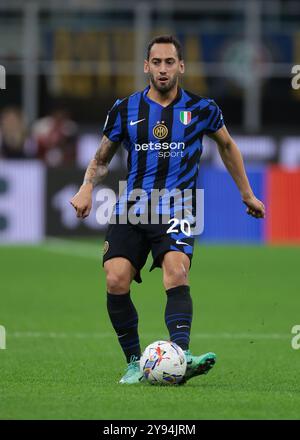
(179, 314)
(124, 318)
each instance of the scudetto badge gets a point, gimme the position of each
(105, 247)
(160, 131)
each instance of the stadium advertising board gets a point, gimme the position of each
(21, 201)
(62, 184)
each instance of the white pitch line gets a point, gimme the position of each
(61, 335)
(75, 249)
(72, 248)
(74, 252)
(69, 242)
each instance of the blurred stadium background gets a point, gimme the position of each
(66, 62)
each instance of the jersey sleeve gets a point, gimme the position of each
(215, 120)
(113, 124)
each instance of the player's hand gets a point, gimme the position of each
(82, 201)
(255, 207)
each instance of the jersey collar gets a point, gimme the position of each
(150, 101)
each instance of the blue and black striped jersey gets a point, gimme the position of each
(164, 144)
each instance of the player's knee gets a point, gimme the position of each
(117, 282)
(174, 276)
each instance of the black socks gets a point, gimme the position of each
(179, 314)
(124, 318)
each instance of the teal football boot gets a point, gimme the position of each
(197, 365)
(132, 374)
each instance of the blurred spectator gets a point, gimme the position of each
(15, 142)
(55, 136)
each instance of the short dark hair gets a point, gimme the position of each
(163, 39)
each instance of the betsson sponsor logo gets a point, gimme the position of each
(159, 146)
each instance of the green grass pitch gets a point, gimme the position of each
(62, 360)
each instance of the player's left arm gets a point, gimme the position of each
(232, 158)
(96, 171)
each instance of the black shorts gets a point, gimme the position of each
(134, 242)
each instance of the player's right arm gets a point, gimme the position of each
(96, 171)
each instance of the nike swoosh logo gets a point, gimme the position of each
(122, 336)
(180, 326)
(136, 122)
(181, 242)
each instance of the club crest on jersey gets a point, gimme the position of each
(160, 131)
(185, 117)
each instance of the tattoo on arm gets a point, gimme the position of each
(98, 167)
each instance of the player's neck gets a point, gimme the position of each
(164, 99)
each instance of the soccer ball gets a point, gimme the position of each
(163, 363)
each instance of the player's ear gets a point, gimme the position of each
(146, 66)
(181, 66)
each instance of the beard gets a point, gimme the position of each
(163, 88)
